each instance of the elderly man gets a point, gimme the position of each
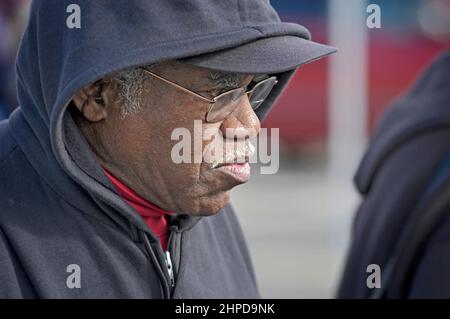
(92, 202)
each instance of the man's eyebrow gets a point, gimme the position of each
(225, 81)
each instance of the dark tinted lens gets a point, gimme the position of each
(224, 105)
(260, 92)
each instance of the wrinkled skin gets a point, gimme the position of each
(137, 149)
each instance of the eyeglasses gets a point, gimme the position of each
(225, 103)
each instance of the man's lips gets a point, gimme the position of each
(232, 162)
(240, 171)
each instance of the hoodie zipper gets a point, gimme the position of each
(169, 263)
(170, 269)
(159, 270)
(168, 285)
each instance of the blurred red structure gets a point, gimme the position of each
(397, 53)
(394, 65)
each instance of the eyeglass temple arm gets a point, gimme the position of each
(178, 86)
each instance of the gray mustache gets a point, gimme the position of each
(240, 155)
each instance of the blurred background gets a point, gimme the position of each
(297, 222)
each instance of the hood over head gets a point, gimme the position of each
(55, 61)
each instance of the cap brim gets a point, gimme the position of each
(263, 56)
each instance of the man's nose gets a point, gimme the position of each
(242, 122)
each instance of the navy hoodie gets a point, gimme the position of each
(402, 177)
(64, 230)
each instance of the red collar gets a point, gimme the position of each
(154, 216)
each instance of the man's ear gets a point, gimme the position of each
(90, 101)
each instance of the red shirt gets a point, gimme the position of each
(154, 216)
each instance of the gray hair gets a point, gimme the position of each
(131, 85)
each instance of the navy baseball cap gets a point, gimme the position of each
(263, 56)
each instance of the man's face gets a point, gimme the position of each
(137, 149)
